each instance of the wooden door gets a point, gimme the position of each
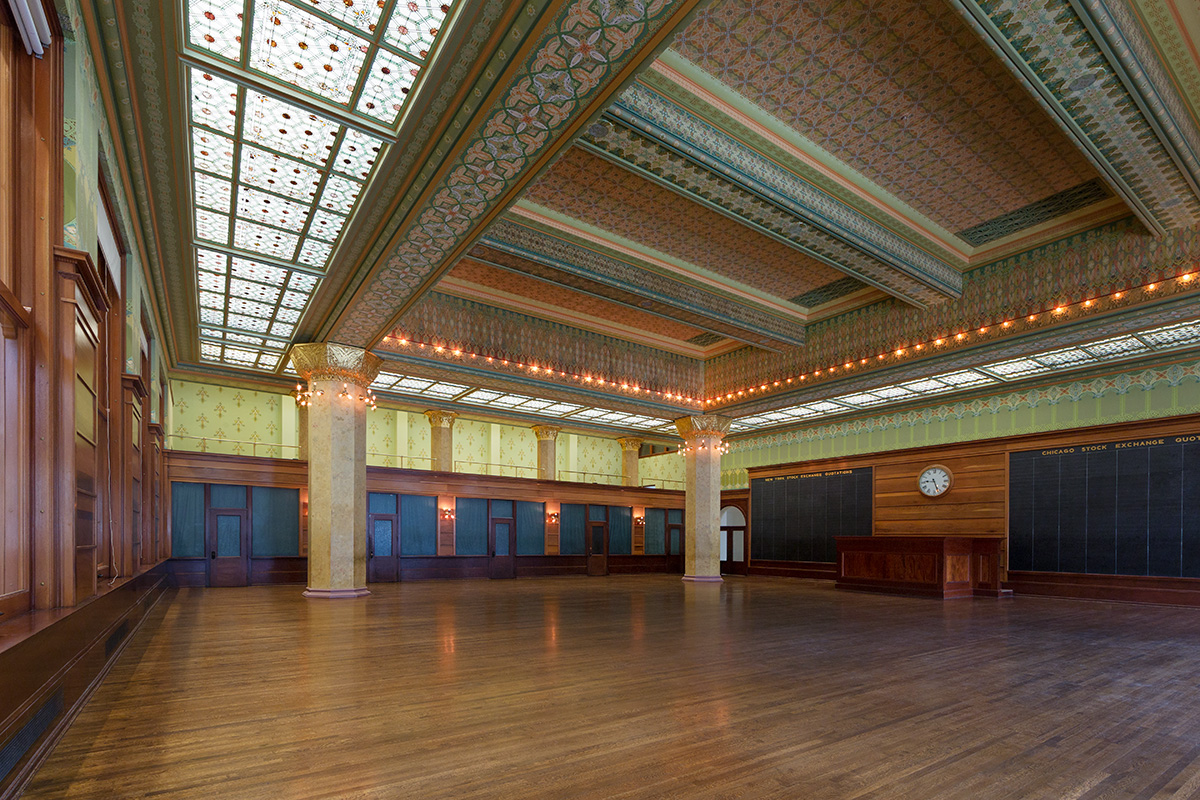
(675, 546)
(383, 548)
(228, 546)
(733, 550)
(502, 546)
(597, 548)
(383, 537)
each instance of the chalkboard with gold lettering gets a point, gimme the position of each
(796, 517)
(1111, 508)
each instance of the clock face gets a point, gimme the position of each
(934, 481)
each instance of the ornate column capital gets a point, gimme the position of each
(441, 419)
(546, 433)
(711, 426)
(630, 443)
(326, 361)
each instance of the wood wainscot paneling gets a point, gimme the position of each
(947, 567)
(1121, 588)
(793, 569)
(52, 661)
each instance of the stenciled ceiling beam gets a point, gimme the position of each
(1090, 65)
(582, 54)
(654, 136)
(550, 258)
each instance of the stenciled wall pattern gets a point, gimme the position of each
(226, 419)
(1129, 396)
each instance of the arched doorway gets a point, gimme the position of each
(733, 541)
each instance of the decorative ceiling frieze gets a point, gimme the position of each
(556, 260)
(576, 60)
(1088, 63)
(648, 132)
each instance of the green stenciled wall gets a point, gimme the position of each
(666, 471)
(228, 419)
(1125, 397)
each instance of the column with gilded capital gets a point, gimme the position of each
(441, 440)
(547, 455)
(337, 402)
(630, 450)
(702, 435)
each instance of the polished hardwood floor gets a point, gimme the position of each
(640, 687)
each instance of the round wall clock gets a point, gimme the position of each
(935, 480)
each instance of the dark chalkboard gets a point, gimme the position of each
(1114, 508)
(796, 517)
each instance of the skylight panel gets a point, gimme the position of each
(212, 300)
(412, 385)
(823, 407)
(259, 206)
(315, 253)
(285, 176)
(253, 291)
(1068, 356)
(212, 316)
(892, 392)
(534, 405)
(263, 273)
(357, 154)
(414, 25)
(261, 239)
(326, 226)
(966, 377)
(242, 322)
(214, 101)
(929, 386)
(865, 399)
(481, 396)
(385, 380)
(282, 330)
(509, 400)
(211, 260)
(288, 129)
(1016, 368)
(362, 14)
(216, 26)
(212, 193)
(240, 305)
(302, 282)
(589, 413)
(294, 300)
(560, 409)
(211, 226)
(212, 152)
(339, 194)
(446, 389)
(242, 338)
(1116, 347)
(1172, 335)
(387, 86)
(304, 50)
(210, 282)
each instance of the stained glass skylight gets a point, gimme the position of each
(362, 55)
(1167, 337)
(271, 201)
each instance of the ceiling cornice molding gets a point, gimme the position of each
(705, 307)
(580, 55)
(1063, 334)
(824, 226)
(1050, 48)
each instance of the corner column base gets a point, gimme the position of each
(335, 594)
(704, 578)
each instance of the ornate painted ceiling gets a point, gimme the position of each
(640, 209)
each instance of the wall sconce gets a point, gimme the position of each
(639, 520)
(552, 516)
(447, 513)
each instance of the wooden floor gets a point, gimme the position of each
(640, 687)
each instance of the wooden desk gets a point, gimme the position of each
(949, 567)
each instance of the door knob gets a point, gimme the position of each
(214, 554)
